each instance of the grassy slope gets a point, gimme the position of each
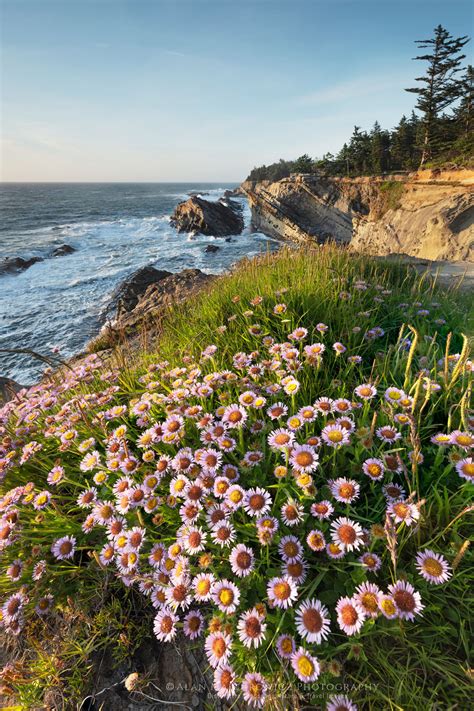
(405, 666)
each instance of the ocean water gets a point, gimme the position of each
(115, 229)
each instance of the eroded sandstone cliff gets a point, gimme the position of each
(426, 214)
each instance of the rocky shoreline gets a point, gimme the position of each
(429, 214)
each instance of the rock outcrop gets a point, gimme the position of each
(126, 296)
(138, 305)
(13, 265)
(207, 218)
(62, 250)
(428, 214)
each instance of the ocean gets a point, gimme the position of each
(115, 228)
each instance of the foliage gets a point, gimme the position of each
(440, 86)
(148, 465)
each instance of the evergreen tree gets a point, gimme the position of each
(303, 164)
(404, 154)
(379, 149)
(440, 85)
(464, 114)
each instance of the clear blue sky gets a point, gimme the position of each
(144, 90)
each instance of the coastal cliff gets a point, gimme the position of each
(426, 214)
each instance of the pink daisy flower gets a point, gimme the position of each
(350, 615)
(347, 533)
(193, 624)
(340, 702)
(282, 592)
(64, 548)
(285, 646)
(312, 621)
(226, 596)
(305, 666)
(164, 625)
(367, 595)
(218, 647)
(406, 599)
(251, 628)
(254, 689)
(344, 490)
(225, 681)
(241, 560)
(433, 567)
(304, 458)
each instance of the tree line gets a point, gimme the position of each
(438, 132)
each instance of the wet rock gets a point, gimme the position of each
(233, 204)
(211, 248)
(207, 218)
(62, 250)
(11, 265)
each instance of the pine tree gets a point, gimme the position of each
(379, 149)
(464, 114)
(441, 86)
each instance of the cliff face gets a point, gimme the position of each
(424, 215)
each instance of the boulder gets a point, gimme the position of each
(207, 218)
(128, 293)
(62, 250)
(11, 265)
(211, 248)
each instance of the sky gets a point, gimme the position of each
(201, 90)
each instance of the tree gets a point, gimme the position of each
(404, 154)
(303, 164)
(464, 114)
(379, 149)
(440, 85)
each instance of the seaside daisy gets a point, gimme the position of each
(285, 646)
(340, 702)
(225, 681)
(344, 490)
(406, 599)
(433, 567)
(350, 615)
(226, 595)
(241, 560)
(403, 512)
(465, 469)
(164, 625)
(367, 595)
(371, 561)
(251, 628)
(290, 549)
(335, 435)
(282, 592)
(257, 502)
(316, 541)
(374, 469)
(347, 533)
(218, 647)
(322, 509)
(64, 548)
(303, 458)
(312, 621)
(193, 624)
(305, 666)
(254, 689)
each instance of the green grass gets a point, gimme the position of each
(391, 664)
